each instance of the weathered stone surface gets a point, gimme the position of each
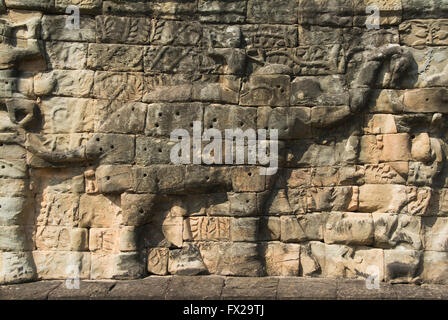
(303, 227)
(390, 12)
(222, 11)
(237, 259)
(205, 288)
(61, 238)
(11, 211)
(98, 210)
(205, 228)
(424, 32)
(382, 198)
(292, 288)
(158, 261)
(211, 287)
(357, 289)
(151, 288)
(420, 9)
(112, 29)
(121, 86)
(282, 259)
(435, 267)
(393, 230)
(186, 261)
(353, 119)
(434, 233)
(249, 288)
(349, 228)
(62, 265)
(113, 179)
(111, 148)
(87, 291)
(65, 55)
(266, 90)
(16, 267)
(29, 291)
(115, 57)
(53, 28)
(402, 265)
(83, 5)
(67, 115)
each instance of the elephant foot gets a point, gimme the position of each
(17, 267)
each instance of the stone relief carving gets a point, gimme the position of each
(362, 149)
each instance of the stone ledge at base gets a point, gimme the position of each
(221, 288)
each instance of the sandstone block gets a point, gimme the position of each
(16, 238)
(421, 148)
(390, 12)
(282, 259)
(53, 28)
(244, 229)
(162, 119)
(128, 265)
(98, 210)
(111, 57)
(435, 233)
(136, 208)
(331, 13)
(124, 118)
(113, 29)
(103, 240)
(56, 209)
(393, 230)
(61, 238)
(13, 169)
(380, 124)
(111, 148)
(278, 203)
(119, 85)
(402, 265)
(435, 267)
(62, 265)
(322, 90)
(66, 55)
(266, 90)
(16, 267)
(237, 259)
(269, 228)
(150, 151)
(84, 5)
(262, 11)
(186, 261)
(243, 204)
(67, 115)
(303, 227)
(419, 33)
(208, 229)
(176, 33)
(113, 179)
(222, 11)
(248, 179)
(382, 198)
(158, 261)
(13, 187)
(349, 228)
(11, 211)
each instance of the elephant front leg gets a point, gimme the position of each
(16, 245)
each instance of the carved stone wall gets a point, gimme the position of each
(88, 187)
